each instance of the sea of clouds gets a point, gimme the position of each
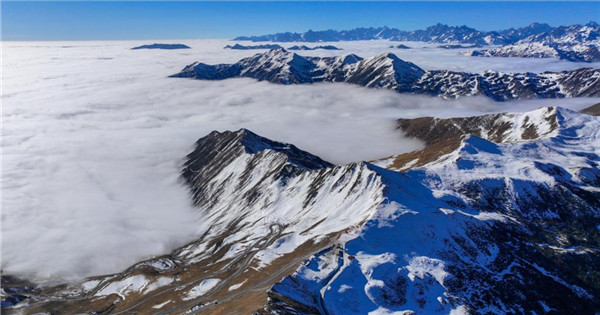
(94, 135)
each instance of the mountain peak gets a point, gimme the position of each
(390, 56)
(253, 143)
(349, 59)
(277, 53)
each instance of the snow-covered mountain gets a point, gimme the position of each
(439, 33)
(582, 34)
(276, 46)
(304, 47)
(488, 227)
(390, 72)
(575, 53)
(499, 213)
(579, 43)
(245, 47)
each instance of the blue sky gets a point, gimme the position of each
(116, 20)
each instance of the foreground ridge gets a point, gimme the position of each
(505, 220)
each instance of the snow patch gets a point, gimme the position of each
(205, 286)
(157, 306)
(422, 266)
(237, 286)
(124, 286)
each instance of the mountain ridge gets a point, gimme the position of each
(576, 43)
(439, 33)
(504, 222)
(390, 72)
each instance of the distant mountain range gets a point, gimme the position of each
(573, 43)
(275, 46)
(387, 71)
(323, 47)
(250, 47)
(538, 40)
(439, 33)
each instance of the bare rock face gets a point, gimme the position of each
(593, 110)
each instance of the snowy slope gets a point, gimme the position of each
(255, 182)
(490, 227)
(578, 43)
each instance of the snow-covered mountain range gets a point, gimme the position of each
(498, 214)
(248, 47)
(275, 46)
(579, 43)
(489, 226)
(387, 71)
(439, 33)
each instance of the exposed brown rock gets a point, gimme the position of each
(442, 136)
(593, 110)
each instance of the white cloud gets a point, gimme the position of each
(93, 137)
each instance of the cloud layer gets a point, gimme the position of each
(94, 134)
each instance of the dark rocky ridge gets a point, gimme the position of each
(593, 110)
(217, 150)
(400, 46)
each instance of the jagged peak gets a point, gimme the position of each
(253, 143)
(349, 59)
(276, 52)
(387, 55)
(395, 60)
